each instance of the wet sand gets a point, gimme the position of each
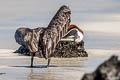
(16, 67)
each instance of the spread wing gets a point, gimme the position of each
(56, 30)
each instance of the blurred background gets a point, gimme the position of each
(99, 19)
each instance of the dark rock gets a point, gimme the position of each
(109, 70)
(70, 49)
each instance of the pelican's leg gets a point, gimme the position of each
(32, 58)
(48, 61)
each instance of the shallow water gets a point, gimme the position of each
(16, 67)
(99, 40)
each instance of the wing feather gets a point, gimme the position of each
(56, 30)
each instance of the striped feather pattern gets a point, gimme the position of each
(29, 38)
(56, 30)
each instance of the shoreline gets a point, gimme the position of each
(90, 51)
(17, 67)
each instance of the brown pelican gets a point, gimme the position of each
(47, 38)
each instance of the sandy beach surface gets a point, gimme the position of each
(16, 67)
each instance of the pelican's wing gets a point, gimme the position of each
(36, 39)
(56, 29)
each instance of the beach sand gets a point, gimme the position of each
(16, 67)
